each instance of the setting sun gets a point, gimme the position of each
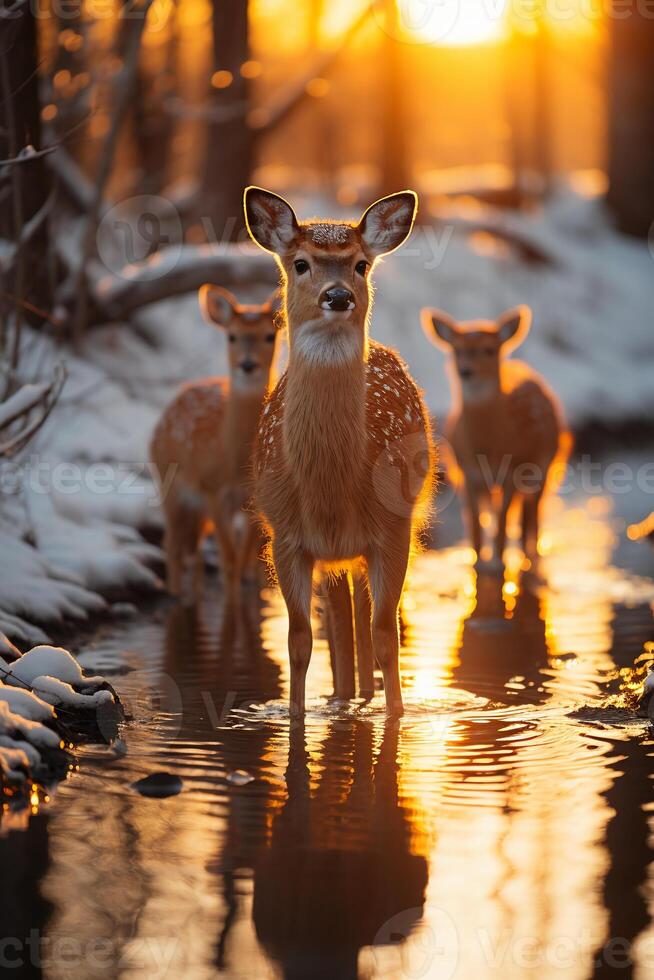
(453, 22)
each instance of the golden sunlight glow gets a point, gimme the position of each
(453, 23)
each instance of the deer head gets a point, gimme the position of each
(477, 346)
(326, 267)
(251, 333)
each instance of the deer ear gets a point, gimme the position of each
(439, 327)
(387, 223)
(270, 220)
(513, 326)
(275, 302)
(218, 305)
(274, 305)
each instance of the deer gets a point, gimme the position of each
(343, 460)
(506, 426)
(201, 447)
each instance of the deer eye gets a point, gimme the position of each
(232, 338)
(270, 338)
(301, 267)
(362, 267)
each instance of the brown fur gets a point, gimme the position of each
(343, 460)
(506, 426)
(201, 447)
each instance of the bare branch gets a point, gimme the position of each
(22, 402)
(176, 270)
(48, 399)
(28, 232)
(124, 88)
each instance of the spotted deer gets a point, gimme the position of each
(201, 447)
(506, 426)
(343, 458)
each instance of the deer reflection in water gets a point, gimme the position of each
(502, 640)
(343, 859)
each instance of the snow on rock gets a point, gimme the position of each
(8, 651)
(31, 687)
(31, 753)
(12, 725)
(14, 765)
(21, 630)
(27, 704)
(49, 661)
(60, 694)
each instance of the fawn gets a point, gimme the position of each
(343, 458)
(506, 427)
(202, 445)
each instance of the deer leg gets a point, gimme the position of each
(530, 524)
(362, 621)
(387, 571)
(295, 575)
(177, 538)
(341, 634)
(174, 559)
(225, 544)
(248, 551)
(473, 515)
(500, 536)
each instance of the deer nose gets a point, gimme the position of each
(337, 298)
(248, 366)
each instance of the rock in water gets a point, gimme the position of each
(159, 785)
(239, 777)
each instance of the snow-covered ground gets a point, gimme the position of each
(72, 505)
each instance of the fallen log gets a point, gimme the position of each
(175, 270)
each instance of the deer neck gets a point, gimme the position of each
(483, 415)
(325, 408)
(240, 426)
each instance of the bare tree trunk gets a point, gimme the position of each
(230, 144)
(27, 184)
(542, 100)
(631, 118)
(394, 176)
(124, 89)
(511, 69)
